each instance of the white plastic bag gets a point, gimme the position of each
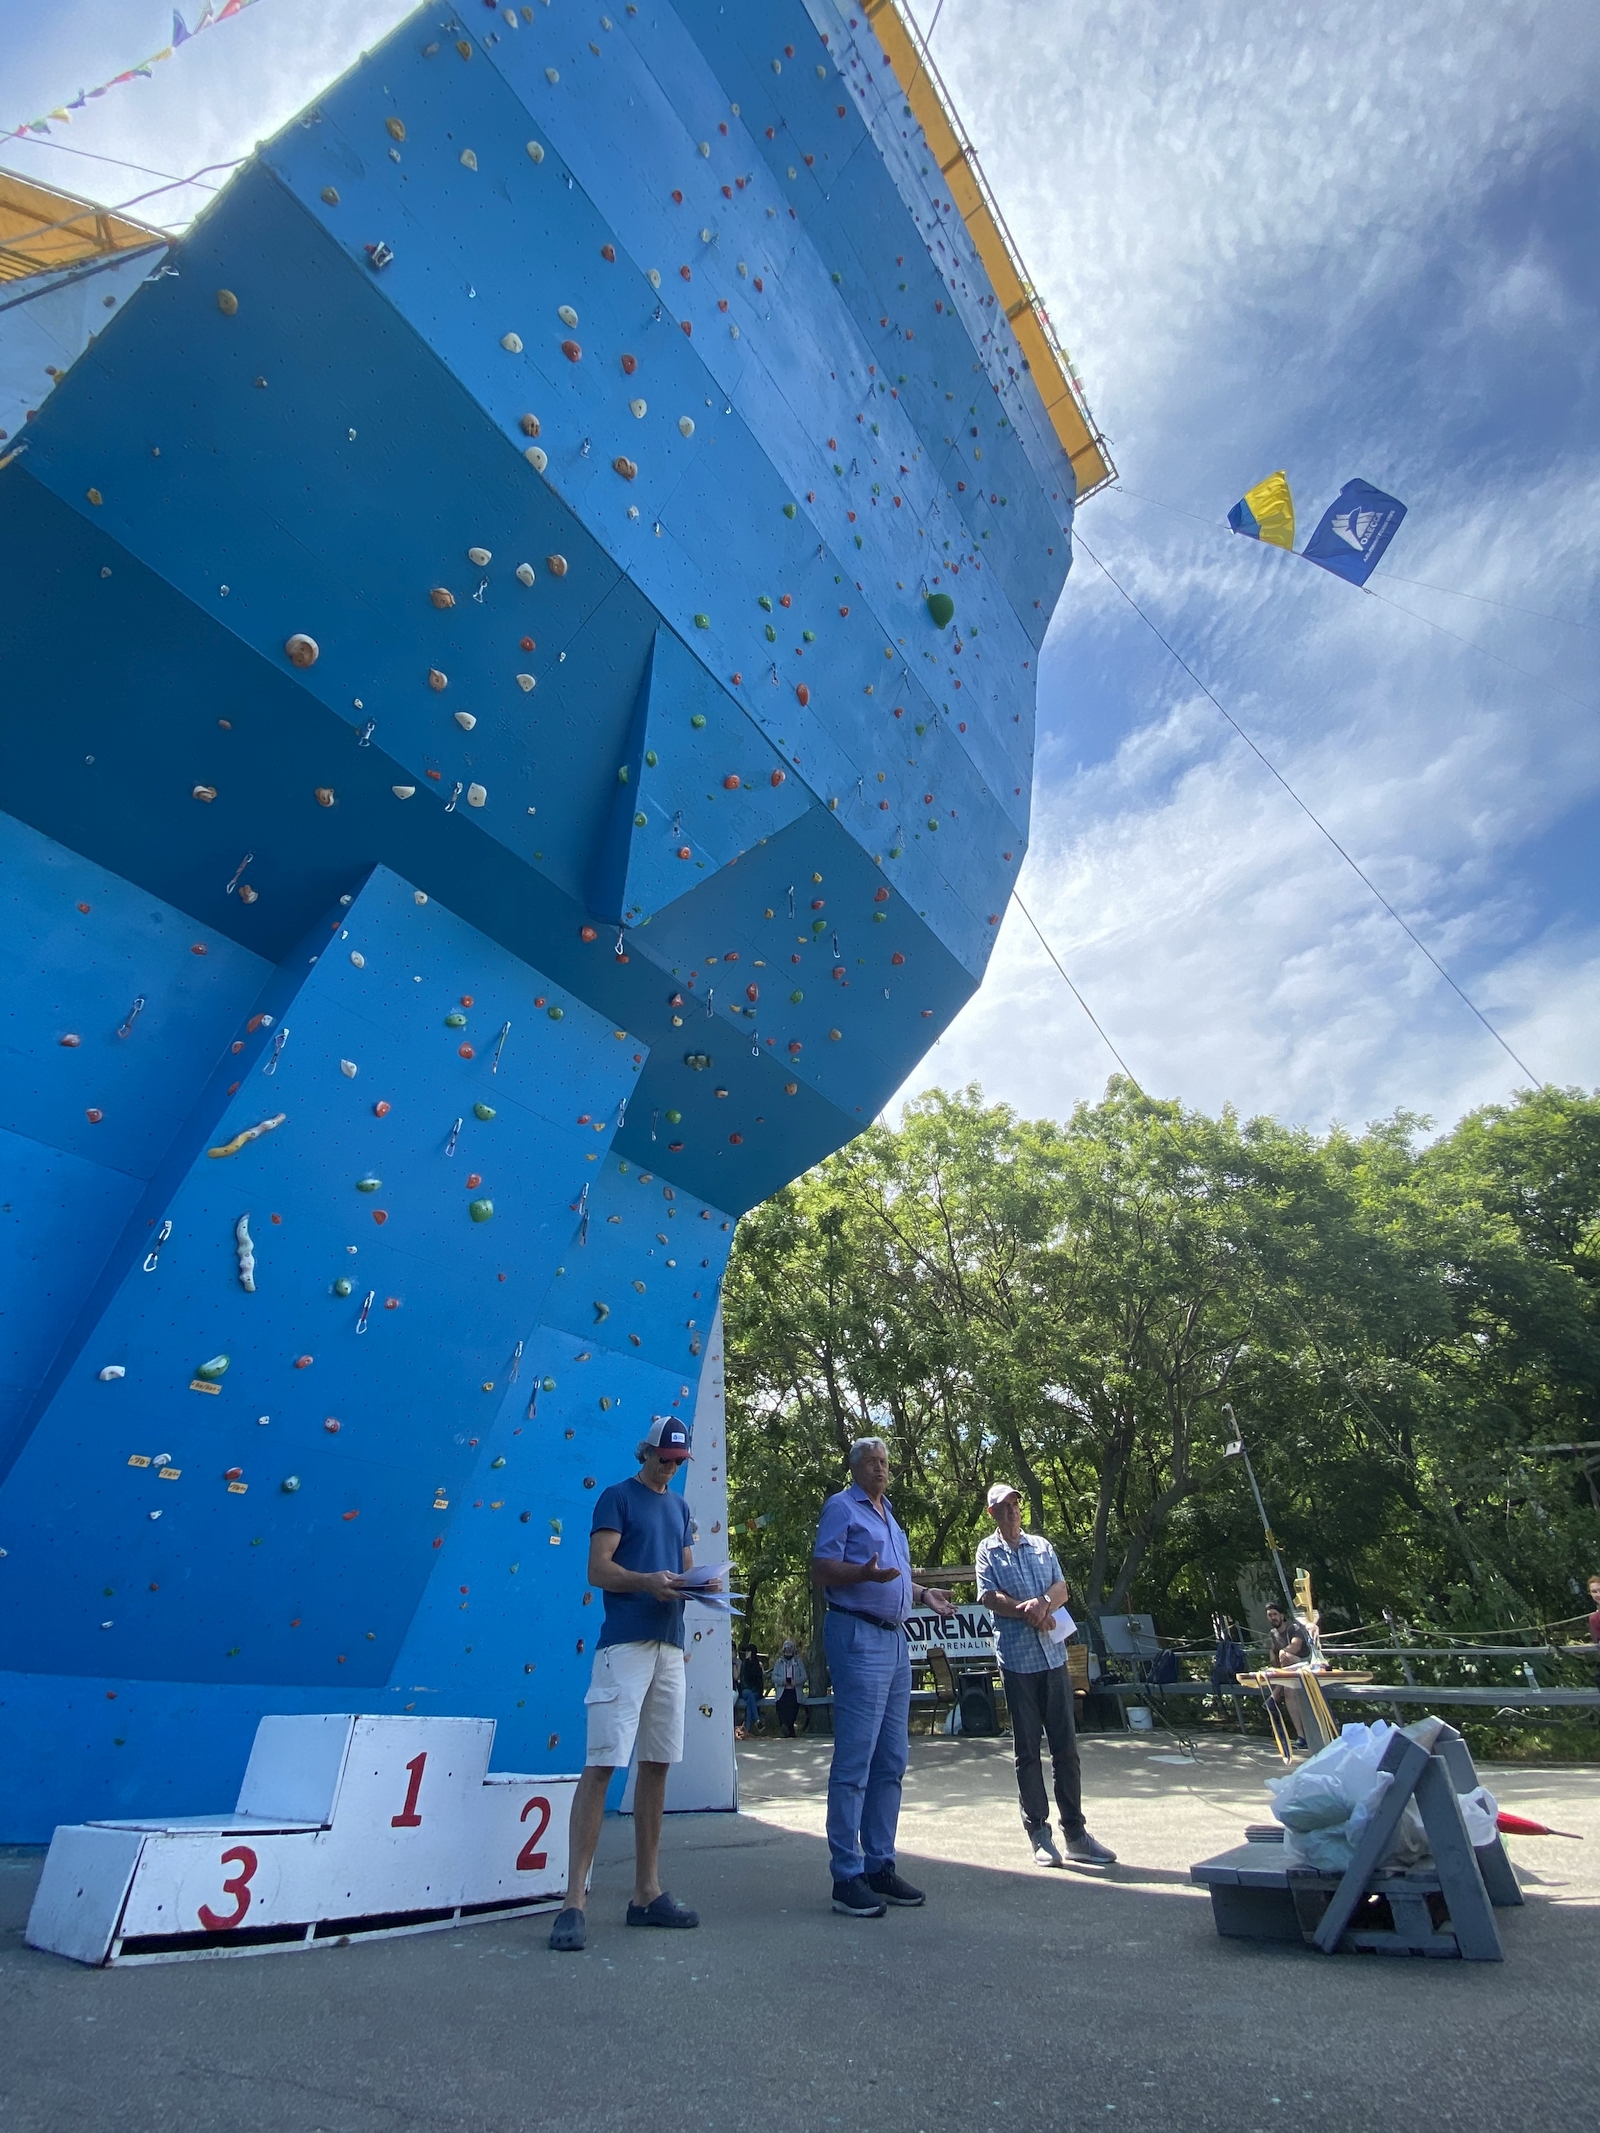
(1480, 1810)
(1326, 1804)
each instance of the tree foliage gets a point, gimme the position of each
(1069, 1307)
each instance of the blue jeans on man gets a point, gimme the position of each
(871, 1670)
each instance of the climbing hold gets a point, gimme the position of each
(402, 792)
(525, 682)
(638, 409)
(480, 556)
(465, 720)
(567, 315)
(481, 1210)
(441, 596)
(538, 458)
(369, 1184)
(476, 795)
(627, 468)
(483, 1111)
(455, 1019)
(437, 681)
(323, 795)
(699, 1061)
(216, 1368)
(204, 792)
(552, 76)
(357, 959)
(247, 1254)
(469, 159)
(835, 1035)
(673, 1118)
(529, 425)
(331, 1426)
(342, 1286)
(70, 1042)
(111, 1371)
(302, 1362)
(802, 695)
(525, 573)
(330, 196)
(289, 1484)
(536, 152)
(572, 352)
(601, 1313)
(686, 425)
(251, 1133)
(795, 998)
(348, 1068)
(702, 622)
(731, 782)
(778, 776)
(897, 958)
(942, 609)
(555, 1013)
(788, 510)
(302, 651)
(227, 302)
(511, 343)
(395, 128)
(381, 1110)
(608, 252)
(587, 933)
(880, 896)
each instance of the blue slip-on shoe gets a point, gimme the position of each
(887, 1884)
(665, 1910)
(567, 1934)
(854, 1899)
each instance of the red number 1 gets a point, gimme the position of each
(528, 1860)
(238, 1888)
(408, 1818)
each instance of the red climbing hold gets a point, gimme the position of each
(880, 896)
(897, 958)
(629, 365)
(572, 351)
(731, 782)
(778, 776)
(587, 933)
(802, 694)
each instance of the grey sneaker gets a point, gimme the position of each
(1089, 1851)
(1044, 1848)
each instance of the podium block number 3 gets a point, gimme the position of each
(530, 1861)
(408, 1818)
(238, 1888)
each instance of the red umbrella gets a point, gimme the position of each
(1521, 1826)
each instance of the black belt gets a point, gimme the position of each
(877, 1621)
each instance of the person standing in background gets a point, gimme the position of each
(789, 1683)
(1020, 1582)
(862, 1560)
(752, 1683)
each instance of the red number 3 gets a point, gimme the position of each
(238, 1888)
(528, 1860)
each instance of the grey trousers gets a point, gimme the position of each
(1041, 1705)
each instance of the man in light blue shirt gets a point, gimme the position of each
(862, 1560)
(1020, 1582)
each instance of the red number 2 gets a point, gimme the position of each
(408, 1818)
(528, 1860)
(238, 1888)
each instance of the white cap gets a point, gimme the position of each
(999, 1491)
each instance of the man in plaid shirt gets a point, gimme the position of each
(1020, 1582)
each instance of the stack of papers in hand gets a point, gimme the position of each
(1062, 1627)
(694, 1581)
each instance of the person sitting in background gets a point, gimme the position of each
(789, 1682)
(752, 1684)
(1290, 1642)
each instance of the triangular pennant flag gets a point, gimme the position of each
(180, 31)
(1266, 512)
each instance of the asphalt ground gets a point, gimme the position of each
(1017, 1996)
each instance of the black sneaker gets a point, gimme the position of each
(887, 1884)
(856, 1900)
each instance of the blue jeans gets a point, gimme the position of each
(871, 1671)
(752, 1709)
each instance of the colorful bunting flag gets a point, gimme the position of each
(1266, 512)
(62, 115)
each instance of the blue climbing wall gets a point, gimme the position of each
(486, 803)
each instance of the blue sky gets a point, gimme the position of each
(1350, 240)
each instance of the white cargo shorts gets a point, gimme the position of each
(635, 1699)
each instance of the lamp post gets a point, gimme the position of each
(1236, 1450)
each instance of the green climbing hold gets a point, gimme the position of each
(622, 773)
(788, 510)
(289, 1484)
(922, 726)
(894, 851)
(697, 718)
(702, 622)
(483, 1111)
(547, 1384)
(674, 1118)
(932, 823)
(641, 822)
(795, 998)
(819, 925)
(343, 1286)
(838, 276)
(500, 1461)
(555, 1013)
(216, 1368)
(772, 635)
(369, 1184)
(878, 917)
(651, 758)
(763, 602)
(942, 609)
(455, 1019)
(810, 636)
(481, 1210)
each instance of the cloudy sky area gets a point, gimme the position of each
(1350, 240)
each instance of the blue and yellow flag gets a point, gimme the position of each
(1266, 512)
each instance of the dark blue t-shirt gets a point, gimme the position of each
(655, 1529)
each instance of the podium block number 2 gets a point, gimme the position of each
(238, 1888)
(530, 1861)
(408, 1818)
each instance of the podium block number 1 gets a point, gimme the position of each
(408, 1818)
(238, 1888)
(530, 1861)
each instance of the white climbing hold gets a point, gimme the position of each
(525, 573)
(466, 721)
(402, 792)
(566, 314)
(349, 1069)
(525, 682)
(639, 409)
(705, 148)
(469, 159)
(419, 896)
(480, 556)
(705, 236)
(538, 458)
(358, 959)
(511, 343)
(552, 76)
(536, 151)
(686, 425)
(112, 1370)
(247, 1254)
(653, 278)
(476, 795)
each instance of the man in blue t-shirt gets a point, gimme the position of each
(639, 1548)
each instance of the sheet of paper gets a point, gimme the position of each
(705, 1574)
(1062, 1627)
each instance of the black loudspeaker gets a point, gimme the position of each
(979, 1715)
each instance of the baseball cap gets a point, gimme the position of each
(668, 1437)
(999, 1491)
